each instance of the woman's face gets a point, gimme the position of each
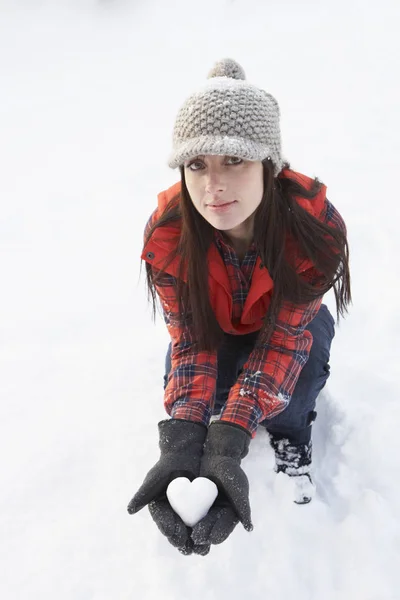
(214, 181)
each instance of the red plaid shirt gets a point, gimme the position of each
(266, 383)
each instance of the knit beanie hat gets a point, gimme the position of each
(228, 116)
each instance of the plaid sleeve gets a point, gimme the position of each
(266, 383)
(332, 217)
(190, 392)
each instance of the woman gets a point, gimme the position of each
(240, 253)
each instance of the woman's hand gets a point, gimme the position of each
(181, 445)
(226, 444)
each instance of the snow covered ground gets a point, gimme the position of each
(89, 91)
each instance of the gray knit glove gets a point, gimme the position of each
(226, 444)
(181, 445)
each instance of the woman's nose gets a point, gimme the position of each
(215, 184)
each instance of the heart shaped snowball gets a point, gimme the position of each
(191, 500)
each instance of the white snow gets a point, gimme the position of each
(89, 92)
(191, 500)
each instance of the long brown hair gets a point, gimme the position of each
(278, 217)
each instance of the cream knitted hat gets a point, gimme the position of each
(228, 116)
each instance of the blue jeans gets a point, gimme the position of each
(294, 423)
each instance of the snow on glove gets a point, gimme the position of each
(226, 444)
(181, 445)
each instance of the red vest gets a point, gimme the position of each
(165, 239)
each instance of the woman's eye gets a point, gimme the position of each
(192, 167)
(234, 160)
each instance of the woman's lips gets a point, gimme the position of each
(221, 207)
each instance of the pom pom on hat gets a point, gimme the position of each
(227, 67)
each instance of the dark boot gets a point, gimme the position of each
(295, 461)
